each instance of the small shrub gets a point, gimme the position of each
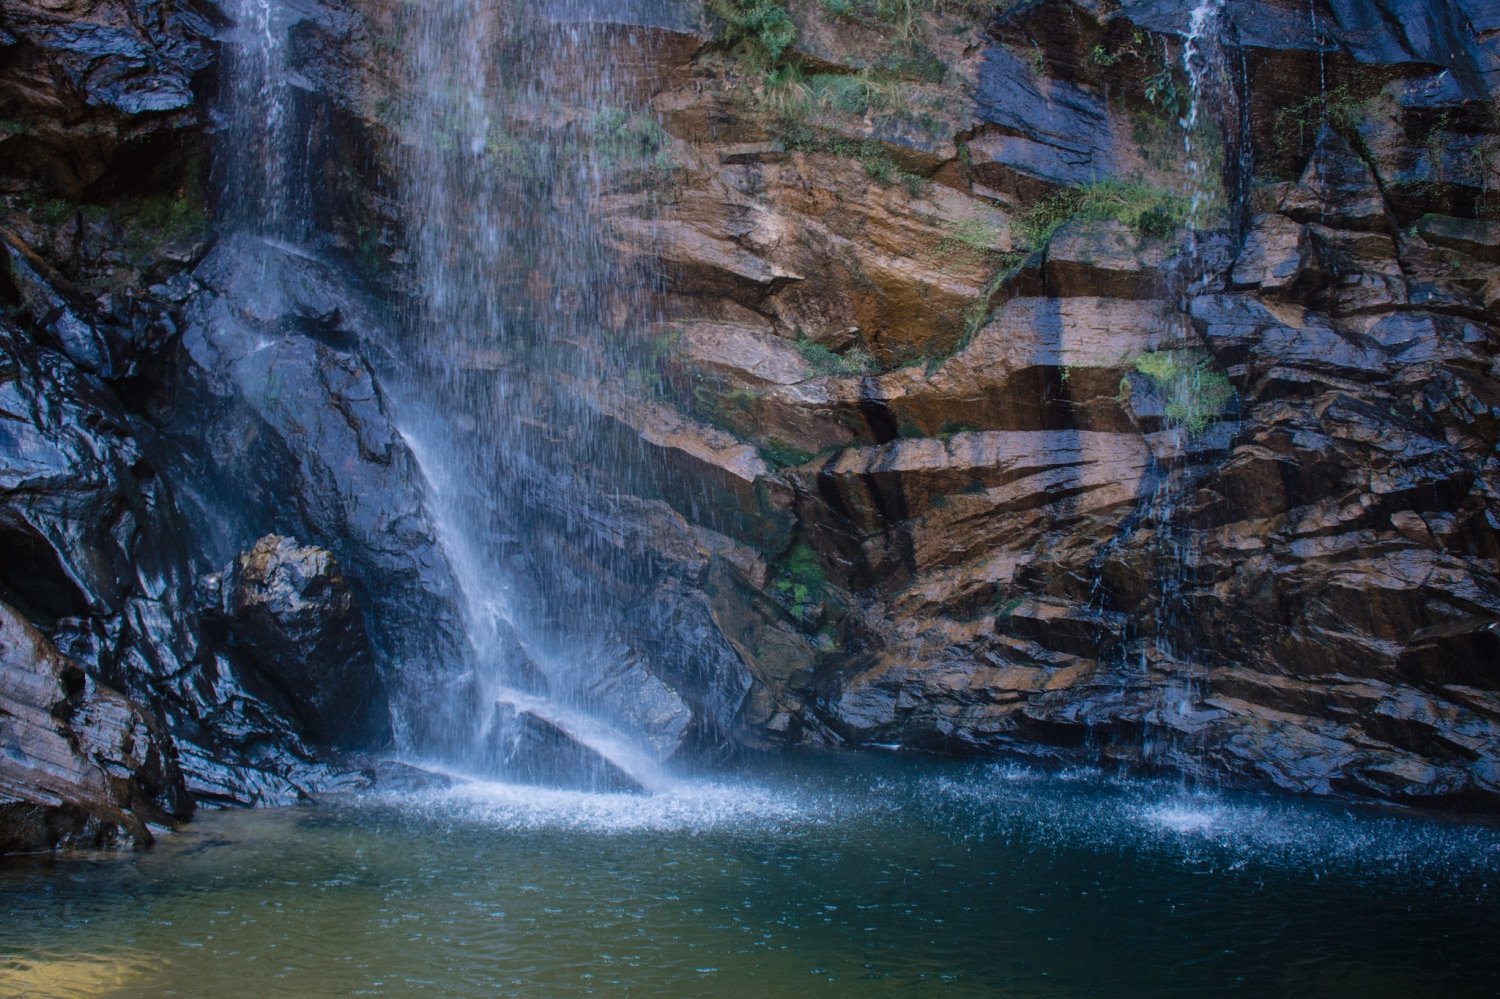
(1343, 108)
(872, 155)
(1153, 212)
(1192, 393)
(971, 235)
(801, 584)
(1163, 93)
(787, 93)
(764, 26)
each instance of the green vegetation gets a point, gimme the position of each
(622, 138)
(47, 211)
(952, 428)
(1153, 212)
(181, 217)
(1343, 108)
(978, 310)
(906, 17)
(1100, 56)
(822, 362)
(872, 155)
(719, 406)
(972, 236)
(762, 27)
(780, 454)
(1192, 393)
(801, 584)
(1162, 92)
(762, 34)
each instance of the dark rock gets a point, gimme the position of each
(1105, 259)
(1479, 239)
(92, 83)
(95, 551)
(277, 429)
(1337, 189)
(80, 765)
(60, 319)
(1279, 257)
(290, 612)
(1042, 132)
(524, 746)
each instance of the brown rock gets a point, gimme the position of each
(1106, 260)
(79, 764)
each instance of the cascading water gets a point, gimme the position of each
(1185, 384)
(1175, 633)
(257, 145)
(509, 123)
(513, 124)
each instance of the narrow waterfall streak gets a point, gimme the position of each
(257, 162)
(1204, 64)
(1169, 643)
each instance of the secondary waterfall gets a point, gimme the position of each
(256, 158)
(1190, 395)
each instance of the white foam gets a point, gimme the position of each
(684, 806)
(1182, 817)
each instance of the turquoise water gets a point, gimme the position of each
(847, 874)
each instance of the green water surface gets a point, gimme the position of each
(839, 875)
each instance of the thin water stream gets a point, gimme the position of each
(855, 874)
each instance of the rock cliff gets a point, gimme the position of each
(1003, 387)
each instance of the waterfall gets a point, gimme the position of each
(513, 124)
(1169, 644)
(1204, 65)
(256, 150)
(517, 318)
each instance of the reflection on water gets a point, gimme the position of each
(844, 875)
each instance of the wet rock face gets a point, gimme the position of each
(278, 422)
(292, 615)
(80, 765)
(934, 450)
(90, 90)
(991, 457)
(523, 745)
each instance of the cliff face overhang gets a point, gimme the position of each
(958, 443)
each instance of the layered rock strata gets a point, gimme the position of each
(961, 426)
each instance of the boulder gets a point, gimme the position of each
(93, 84)
(524, 746)
(80, 765)
(293, 617)
(278, 421)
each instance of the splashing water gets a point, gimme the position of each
(514, 122)
(849, 875)
(519, 314)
